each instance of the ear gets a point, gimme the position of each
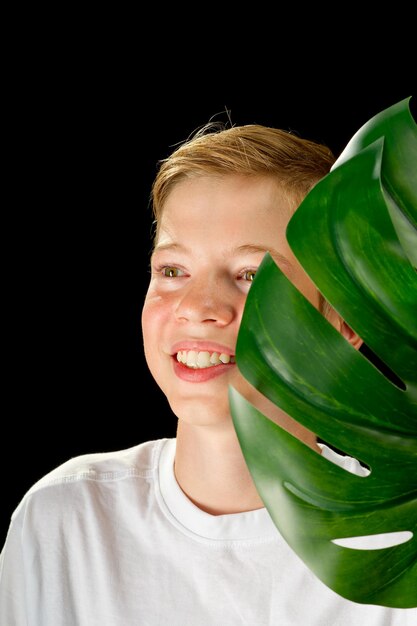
(344, 329)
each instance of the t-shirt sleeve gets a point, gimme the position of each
(12, 576)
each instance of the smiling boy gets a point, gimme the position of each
(173, 531)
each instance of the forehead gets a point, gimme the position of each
(228, 203)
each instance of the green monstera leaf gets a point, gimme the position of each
(355, 234)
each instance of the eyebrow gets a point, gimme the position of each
(279, 258)
(168, 246)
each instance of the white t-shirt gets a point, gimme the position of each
(111, 540)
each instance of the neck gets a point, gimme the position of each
(211, 470)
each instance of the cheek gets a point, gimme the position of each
(157, 318)
(152, 314)
(152, 325)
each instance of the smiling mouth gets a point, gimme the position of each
(203, 359)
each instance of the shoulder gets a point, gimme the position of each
(102, 468)
(138, 460)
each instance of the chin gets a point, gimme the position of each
(201, 412)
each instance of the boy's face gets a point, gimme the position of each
(213, 235)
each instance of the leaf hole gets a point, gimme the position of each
(382, 366)
(375, 542)
(344, 461)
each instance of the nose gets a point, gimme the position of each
(206, 300)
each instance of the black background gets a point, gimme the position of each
(86, 134)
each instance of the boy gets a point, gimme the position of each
(173, 531)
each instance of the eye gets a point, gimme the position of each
(171, 272)
(249, 275)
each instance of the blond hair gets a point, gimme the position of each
(252, 150)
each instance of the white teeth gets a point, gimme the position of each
(203, 359)
(200, 360)
(191, 360)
